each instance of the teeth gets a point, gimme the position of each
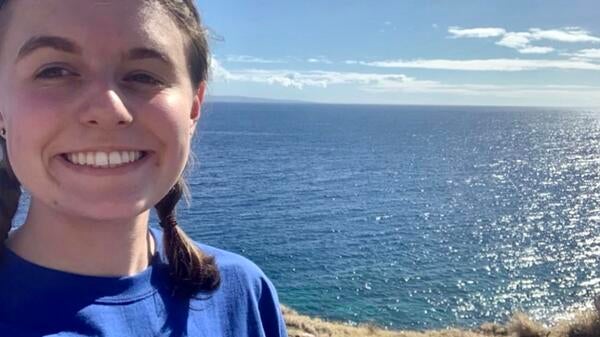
(81, 158)
(114, 159)
(101, 159)
(104, 159)
(89, 159)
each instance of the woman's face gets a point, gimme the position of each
(86, 87)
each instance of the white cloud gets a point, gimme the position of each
(319, 59)
(369, 82)
(315, 78)
(485, 64)
(312, 78)
(458, 32)
(390, 84)
(217, 71)
(569, 34)
(250, 59)
(536, 50)
(591, 53)
(521, 41)
(259, 60)
(515, 40)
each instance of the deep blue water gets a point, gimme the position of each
(407, 216)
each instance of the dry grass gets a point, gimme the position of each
(521, 325)
(583, 324)
(304, 326)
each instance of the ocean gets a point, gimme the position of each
(410, 217)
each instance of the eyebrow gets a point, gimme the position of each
(68, 46)
(148, 53)
(54, 42)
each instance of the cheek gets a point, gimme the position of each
(172, 115)
(28, 138)
(31, 118)
(40, 108)
(168, 118)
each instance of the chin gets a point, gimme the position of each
(108, 211)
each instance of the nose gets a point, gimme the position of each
(105, 108)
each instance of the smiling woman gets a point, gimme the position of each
(98, 104)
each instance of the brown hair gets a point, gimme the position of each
(191, 270)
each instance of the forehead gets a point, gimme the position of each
(104, 26)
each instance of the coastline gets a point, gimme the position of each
(583, 324)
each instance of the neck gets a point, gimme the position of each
(97, 248)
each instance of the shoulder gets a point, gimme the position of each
(246, 296)
(245, 284)
(236, 271)
(229, 260)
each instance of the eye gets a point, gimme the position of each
(54, 72)
(143, 78)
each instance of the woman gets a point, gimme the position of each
(99, 100)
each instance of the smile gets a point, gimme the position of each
(99, 159)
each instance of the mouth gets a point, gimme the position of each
(102, 159)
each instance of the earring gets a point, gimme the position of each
(3, 132)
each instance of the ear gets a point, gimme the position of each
(196, 106)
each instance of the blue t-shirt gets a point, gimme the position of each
(37, 301)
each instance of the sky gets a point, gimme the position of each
(459, 52)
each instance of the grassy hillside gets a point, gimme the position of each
(584, 324)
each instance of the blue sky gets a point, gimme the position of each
(541, 53)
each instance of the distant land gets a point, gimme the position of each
(244, 99)
(247, 99)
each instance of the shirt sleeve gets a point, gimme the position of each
(270, 311)
(249, 301)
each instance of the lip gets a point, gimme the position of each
(106, 149)
(109, 171)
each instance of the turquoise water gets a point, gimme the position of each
(409, 217)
